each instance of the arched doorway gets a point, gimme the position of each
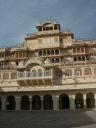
(10, 103)
(79, 102)
(90, 100)
(64, 102)
(36, 102)
(48, 102)
(25, 103)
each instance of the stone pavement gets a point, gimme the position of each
(48, 119)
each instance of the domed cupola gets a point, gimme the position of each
(48, 25)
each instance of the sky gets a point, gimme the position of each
(19, 17)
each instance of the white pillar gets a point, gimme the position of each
(1, 76)
(55, 102)
(95, 100)
(84, 99)
(30, 99)
(10, 76)
(41, 98)
(73, 72)
(18, 103)
(72, 101)
(83, 75)
(92, 69)
(3, 100)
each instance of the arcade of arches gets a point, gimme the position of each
(48, 102)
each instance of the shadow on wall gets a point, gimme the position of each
(48, 119)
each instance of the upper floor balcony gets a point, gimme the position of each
(33, 78)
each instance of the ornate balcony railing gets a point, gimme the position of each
(31, 76)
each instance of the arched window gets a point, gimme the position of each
(78, 50)
(28, 74)
(25, 104)
(55, 27)
(53, 61)
(34, 73)
(83, 58)
(36, 102)
(51, 28)
(48, 102)
(64, 102)
(48, 52)
(90, 100)
(79, 102)
(21, 74)
(56, 52)
(40, 53)
(20, 55)
(47, 28)
(82, 49)
(57, 60)
(79, 58)
(75, 59)
(87, 71)
(78, 72)
(13, 75)
(74, 50)
(52, 52)
(68, 72)
(47, 73)
(58, 73)
(44, 53)
(39, 72)
(5, 76)
(10, 103)
(44, 29)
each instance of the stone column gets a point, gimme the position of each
(83, 75)
(95, 100)
(41, 98)
(84, 99)
(73, 71)
(10, 76)
(1, 76)
(18, 103)
(72, 102)
(55, 102)
(92, 69)
(3, 100)
(30, 99)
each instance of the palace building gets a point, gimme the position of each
(51, 70)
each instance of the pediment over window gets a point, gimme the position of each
(33, 62)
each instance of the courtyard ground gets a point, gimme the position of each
(48, 119)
